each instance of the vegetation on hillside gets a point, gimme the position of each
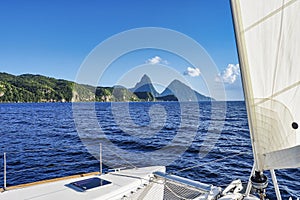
(37, 88)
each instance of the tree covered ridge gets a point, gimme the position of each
(38, 88)
(34, 88)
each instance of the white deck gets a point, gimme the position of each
(123, 183)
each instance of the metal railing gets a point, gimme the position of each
(5, 171)
(60, 149)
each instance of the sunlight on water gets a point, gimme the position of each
(27, 128)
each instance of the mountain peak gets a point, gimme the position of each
(183, 92)
(145, 85)
(145, 79)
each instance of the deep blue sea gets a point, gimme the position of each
(48, 140)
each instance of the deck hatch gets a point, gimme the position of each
(90, 183)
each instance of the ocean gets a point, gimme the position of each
(207, 142)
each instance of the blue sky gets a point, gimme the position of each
(54, 37)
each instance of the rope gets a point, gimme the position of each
(178, 196)
(126, 161)
(62, 148)
(53, 165)
(214, 161)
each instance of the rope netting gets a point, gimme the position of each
(162, 189)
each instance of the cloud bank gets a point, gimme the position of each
(230, 74)
(192, 71)
(156, 60)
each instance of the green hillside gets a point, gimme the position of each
(38, 88)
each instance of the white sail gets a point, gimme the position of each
(268, 39)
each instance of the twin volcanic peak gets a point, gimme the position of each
(176, 91)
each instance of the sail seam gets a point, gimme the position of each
(279, 42)
(269, 15)
(278, 93)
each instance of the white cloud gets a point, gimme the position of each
(192, 71)
(156, 60)
(230, 74)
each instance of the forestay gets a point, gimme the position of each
(268, 37)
